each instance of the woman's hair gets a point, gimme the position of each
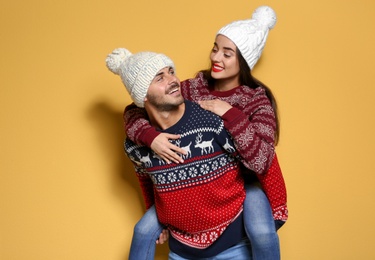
(248, 80)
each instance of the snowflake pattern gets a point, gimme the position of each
(190, 174)
(182, 174)
(259, 161)
(172, 177)
(205, 169)
(193, 172)
(202, 239)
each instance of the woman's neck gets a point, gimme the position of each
(226, 84)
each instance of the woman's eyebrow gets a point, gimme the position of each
(225, 48)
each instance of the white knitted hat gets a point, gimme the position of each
(250, 35)
(137, 71)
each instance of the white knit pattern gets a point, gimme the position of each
(137, 71)
(250, 35)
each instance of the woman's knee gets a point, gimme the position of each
(264, 238)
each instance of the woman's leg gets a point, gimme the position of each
(260, 225)
(146, 232)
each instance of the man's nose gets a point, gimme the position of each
(171, 78)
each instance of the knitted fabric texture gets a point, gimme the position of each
(137, 70)
(198, 199)
(250, 35)
(248, 135)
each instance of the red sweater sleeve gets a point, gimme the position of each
(146, 185)
(137, 127)
(253, 134)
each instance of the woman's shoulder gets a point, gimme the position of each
(252, 91)
(197, 80)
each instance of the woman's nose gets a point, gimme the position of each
(215, 57)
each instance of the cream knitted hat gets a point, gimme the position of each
(250, 35)
(137, 71)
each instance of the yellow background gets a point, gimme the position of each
(67, 191)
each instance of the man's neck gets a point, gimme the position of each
(165, 119)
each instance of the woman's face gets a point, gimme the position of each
(224, 62)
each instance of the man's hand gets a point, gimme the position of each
(167, 151)
(164, 235)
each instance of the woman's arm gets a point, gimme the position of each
(139, 130)
(252, 130)
(137, 127)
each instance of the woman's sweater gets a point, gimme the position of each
(251, 123)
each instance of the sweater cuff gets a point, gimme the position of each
(232, 116)
(148, 136)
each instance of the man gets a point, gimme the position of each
(199, 201)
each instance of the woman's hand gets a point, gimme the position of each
(167, 151)
(164, 235)
(217, 106)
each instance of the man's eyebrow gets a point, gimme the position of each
(160, 73)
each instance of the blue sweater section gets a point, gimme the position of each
(210, 153)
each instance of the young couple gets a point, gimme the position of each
(208, 168)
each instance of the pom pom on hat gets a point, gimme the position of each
(250, 35)
(137, 70)
(265, 15)
(116, 58)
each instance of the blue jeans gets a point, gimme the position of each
(260, 225)
(240, 251)
(145, 234)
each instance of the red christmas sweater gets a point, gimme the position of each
(199, 199)
(251, 122)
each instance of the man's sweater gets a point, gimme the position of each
(251, 123)
(198, 199)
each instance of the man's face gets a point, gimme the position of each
(164, 92)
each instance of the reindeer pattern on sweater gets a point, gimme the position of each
(199, 198)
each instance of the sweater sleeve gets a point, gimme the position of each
(137, 127)
(144, 179)
(253, 132)
(147, 188)
(136, 124)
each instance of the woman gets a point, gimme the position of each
(249, 111)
